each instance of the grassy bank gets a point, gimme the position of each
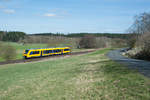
(20, 48)
(90, 77)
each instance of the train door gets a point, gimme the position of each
(62, 51)
(41, 53)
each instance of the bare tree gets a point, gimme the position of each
(88, 41)
(141, 27)
(141, 24)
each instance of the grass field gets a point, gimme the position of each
(20, 48)
(86, 77)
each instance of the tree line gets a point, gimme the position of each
(13, 36)
(109, 35)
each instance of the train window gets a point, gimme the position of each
(47, 51)
(50, 51)
(34, 52)
(55, 51)
(44, 52)
(66, 49)
(26, 51)
(58, 50)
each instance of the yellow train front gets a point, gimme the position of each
(40, 52)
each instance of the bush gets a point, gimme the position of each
(88, 41)
(103, 42)
(8, 52)
(132, 42)
(144, 44)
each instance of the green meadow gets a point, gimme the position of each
(84, 77)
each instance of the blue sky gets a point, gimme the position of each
(67, 16)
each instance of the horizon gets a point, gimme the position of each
(65, 16)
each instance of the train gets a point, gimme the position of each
(41, 52)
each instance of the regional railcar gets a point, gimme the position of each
(40, 52)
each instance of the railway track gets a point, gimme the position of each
(42, 58)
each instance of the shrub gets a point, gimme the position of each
(88, 41)
(144, 44)
(131, 42)
(102, 42)
(8, 52)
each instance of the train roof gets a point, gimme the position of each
(46, 48)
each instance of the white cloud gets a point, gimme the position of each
(49, 15)
(9, 11)
(59, 12)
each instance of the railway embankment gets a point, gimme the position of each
(46, 57)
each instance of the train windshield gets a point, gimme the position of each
(26, 51)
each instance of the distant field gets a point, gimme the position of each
(20, 48)
(86, 77)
